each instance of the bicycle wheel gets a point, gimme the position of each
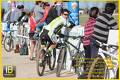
(97, 69)
(40, 61)
(52, 59)
(77, 63)
(60, 61)
(8, 44)
(117, 75)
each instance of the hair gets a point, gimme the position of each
(93, 12)
(65, 10)
(22, 6)
(18, 7)
(37, 2)
(46, 4)
(110, 7)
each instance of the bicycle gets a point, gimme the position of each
(105, 65)
(8, 38)
(43, 58)
(8, 42)
(77, 56)
(23, 31)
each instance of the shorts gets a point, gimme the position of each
(31, 34)
(45, 37)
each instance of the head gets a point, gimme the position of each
(18, 7)
(93, 12)
(109, 8)
(65, 13)
(38, 2)
(22, 7)
(46, 5)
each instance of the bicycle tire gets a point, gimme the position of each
(117, 75)
(98, 64)
(10, 44)
(40, 68)
(60, 61)
(52, 59)
(78, 64)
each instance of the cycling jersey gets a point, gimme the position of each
(55, 24)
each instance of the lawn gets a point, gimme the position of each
(84, 18)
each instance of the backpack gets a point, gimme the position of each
(24, 49)
(52, 14)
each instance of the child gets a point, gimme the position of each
(32, 23)
(88, 30)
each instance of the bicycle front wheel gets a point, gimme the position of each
(8, 44)
(97, 69)
(77, 63)
(40, 62)
(60, 61)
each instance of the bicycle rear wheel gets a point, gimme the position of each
(60, 61)
(8, 44)
(97, 69)
(40, 61)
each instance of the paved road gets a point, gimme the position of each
(27, 69)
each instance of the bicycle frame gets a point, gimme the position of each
(76, 48)
(67, 44)
(114, 56)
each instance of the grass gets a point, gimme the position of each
(84, 18)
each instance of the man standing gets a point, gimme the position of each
(103, 24)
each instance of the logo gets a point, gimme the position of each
(9, 71)
(74, 5)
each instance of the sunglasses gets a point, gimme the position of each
(66, 14)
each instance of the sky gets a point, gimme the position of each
(91, 4)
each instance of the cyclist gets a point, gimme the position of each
(49, 31)
(89, 28)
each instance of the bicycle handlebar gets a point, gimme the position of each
(73, 37)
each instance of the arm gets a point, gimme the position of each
(113, 24)
(44, 16)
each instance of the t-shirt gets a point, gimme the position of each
(104, 22)
(32, 23)
(38, 11)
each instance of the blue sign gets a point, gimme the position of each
(73, 7)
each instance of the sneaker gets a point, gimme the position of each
(58, 75)
(82, 76)
(31, 58)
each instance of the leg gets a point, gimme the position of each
(87, 56)
(86, 62)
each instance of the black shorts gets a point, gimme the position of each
(45, 37)
(31, 34)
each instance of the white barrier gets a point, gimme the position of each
(113, 37)
(76, 31)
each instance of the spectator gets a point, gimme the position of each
(89, 28)
(38, 11)
(43, 21)
(32, 23)
(59, 7)
(103, 24)
(52, 14)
